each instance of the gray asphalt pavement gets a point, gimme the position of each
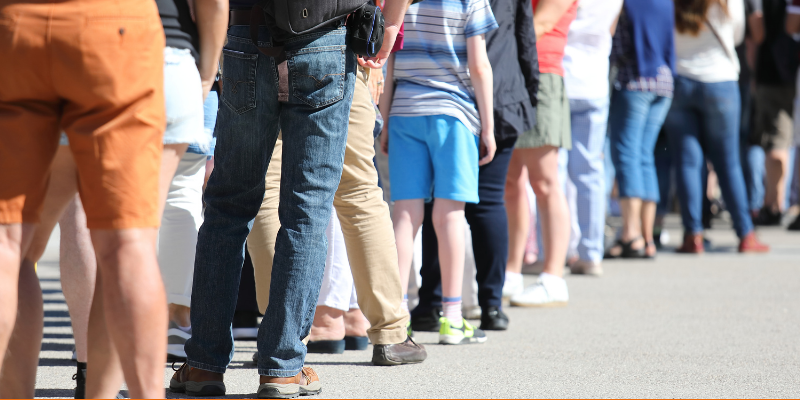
(717, 325)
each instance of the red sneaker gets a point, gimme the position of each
(750, 244)
(692, 244)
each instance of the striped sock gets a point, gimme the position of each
(452, 309)
(404, 304)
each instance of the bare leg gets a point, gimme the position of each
(518, 212)
(448, 221)
(542, 163)
(134, 309)
(14, 241)
(355, 323)
(78, 272)
(104, 375)
(407, 217)
(328, 324)
(18, 381)
(777, 164)
(648, 223)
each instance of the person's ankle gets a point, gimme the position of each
(180, 315)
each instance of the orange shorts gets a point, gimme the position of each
(95, 70)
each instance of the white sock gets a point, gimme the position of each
(513, 276)
(404, 303)
(452, 309)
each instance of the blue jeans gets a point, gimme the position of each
(634, 122)
(589, 119)
(321, 71)
(704, 123)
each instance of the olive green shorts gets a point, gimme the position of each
(552, 116)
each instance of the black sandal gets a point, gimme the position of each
(647, 245)
(627, 250)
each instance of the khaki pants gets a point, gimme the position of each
(366, 225)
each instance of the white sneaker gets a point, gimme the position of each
(548, 291)
(513, 285)
(176, 339)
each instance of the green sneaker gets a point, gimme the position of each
(464, 334)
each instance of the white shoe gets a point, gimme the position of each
(513, 285)
(548, 291)
(585, 267)
(176, 339)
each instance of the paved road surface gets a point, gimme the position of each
(718, 325)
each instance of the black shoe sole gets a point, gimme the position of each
(207, 390)
(274, 393)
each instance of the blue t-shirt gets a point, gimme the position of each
(431, 71)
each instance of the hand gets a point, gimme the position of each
(207, 84)
(487, 147)
(375, 85)
(385, 139)
(389, 38)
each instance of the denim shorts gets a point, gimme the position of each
(184, 101)
(434, 154)
(210, 110)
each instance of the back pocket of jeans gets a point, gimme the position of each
(317, 75)
(239, 80)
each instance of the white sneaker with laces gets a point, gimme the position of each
(548, 291)
(513, 285)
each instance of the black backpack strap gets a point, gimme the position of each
(256, 20)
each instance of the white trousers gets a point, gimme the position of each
(338, 290)
(177, 237)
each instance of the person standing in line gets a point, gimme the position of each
(793, 29)
(365, 223)
(587, 67)
(775, 92)
(439, 128)
(312, 110)
(536, 155)
(515, 69)
(644, 55)
(704, 118)
(87, 88)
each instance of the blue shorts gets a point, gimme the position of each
(433, 154)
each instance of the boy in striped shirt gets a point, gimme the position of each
(440, 129)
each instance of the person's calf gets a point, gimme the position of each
(328, 324)
(134, 306)
(180, 315)
(18, 378)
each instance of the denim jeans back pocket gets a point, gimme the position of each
(317, 75)
(239, 80)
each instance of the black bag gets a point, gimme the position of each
(786, 52)
(365, 27)
(296, 17)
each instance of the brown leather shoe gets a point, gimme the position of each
(407, 352)
(197, 382)
(304, 383)
(692, 244)
(750, 244)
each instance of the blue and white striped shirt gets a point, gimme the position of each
(431, 70)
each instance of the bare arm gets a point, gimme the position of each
(792, 23)
(480, 73)
(386, 104)
(756, 22)
(212, 25)
(547, 15)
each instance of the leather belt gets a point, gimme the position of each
(239, 17)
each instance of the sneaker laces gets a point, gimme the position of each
(173, 366)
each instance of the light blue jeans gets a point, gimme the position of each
(321, 79)
(585, 169)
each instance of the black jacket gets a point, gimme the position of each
(512, 52)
